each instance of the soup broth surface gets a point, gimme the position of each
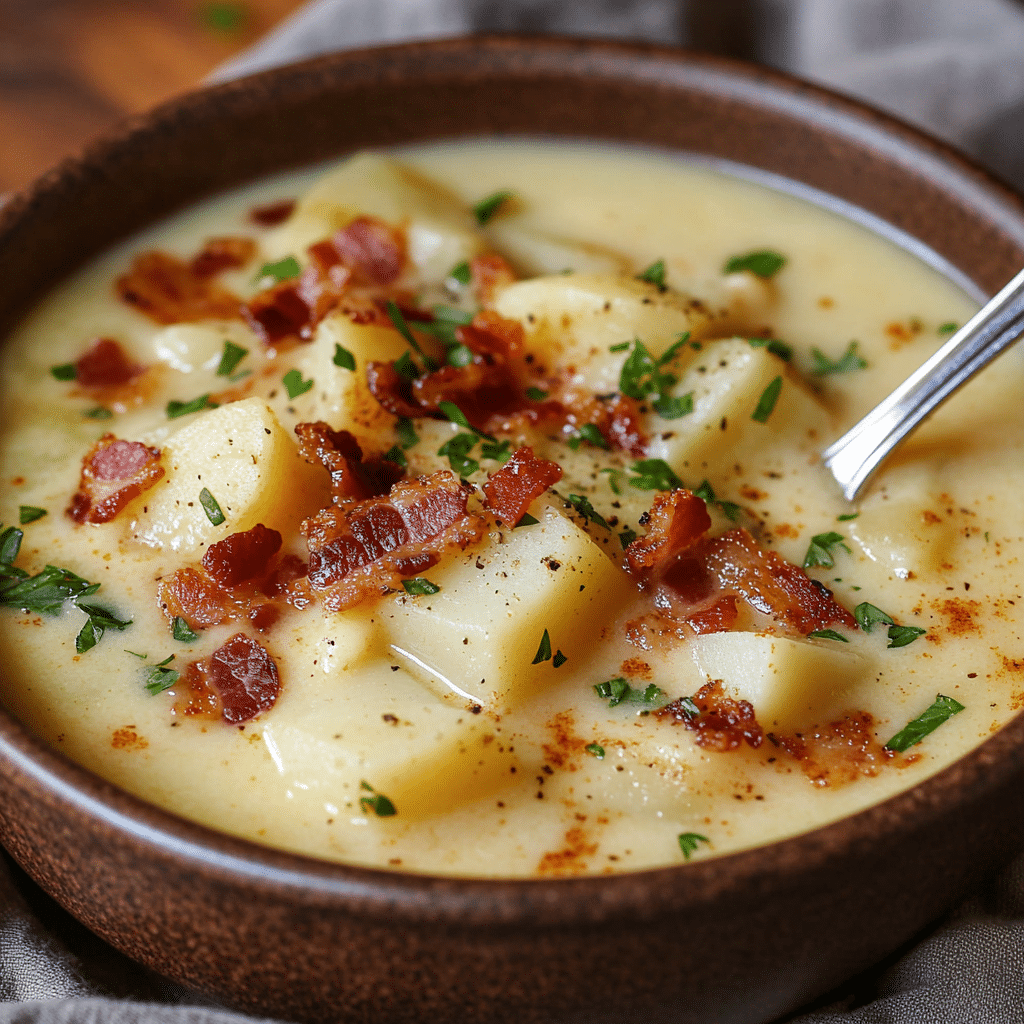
(550, 698)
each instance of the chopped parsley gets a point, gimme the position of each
(654, 274)
(729, 508)
(420, 586)
(583, 506)
(282, 270)
(776, 347)
(644, 378)
(848, 362)
(766, 403)
(398, 322)
(453, 413)
(543, 651)
(949, 327)
(396, 455)
(175, 409)
(407, 436)
(613, 478)
(927, 722)
(376, 802)
(98, 413)
(499, 451)
(343, 358)
(160, 677)
(527, 520)
(183, 632)
(294, 383)
(230, 358)
(621, 346)
(654, 475)
(457, 449)
(762, 262)
(211, 507)
(688, 842)
(536, 394)
(627, 537)
(99, 620)
(461, 273)
(617, 691)
(590, 433)
(900, 636)
(405, 367)
(820, 550)
(30, 513)
(688, 706)
(847, 516)
(66, 371)
(558, 659)
(828, 634)
(595, 750)
(867, 615)
(487, 208)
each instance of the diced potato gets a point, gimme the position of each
(440, 230)
(478, 636)
(191, 347)
(575, 318)
(727, 381)
(535, 252)
(248, 462)
(790, 682)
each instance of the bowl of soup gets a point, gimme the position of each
(422, 593)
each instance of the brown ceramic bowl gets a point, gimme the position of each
(739, 938)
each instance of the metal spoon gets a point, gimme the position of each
(996, 326)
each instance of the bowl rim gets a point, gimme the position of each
(472, 901)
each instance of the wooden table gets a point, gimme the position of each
(71, 69)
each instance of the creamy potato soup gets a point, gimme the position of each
(460, 511)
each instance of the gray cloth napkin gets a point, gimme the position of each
(955, 67)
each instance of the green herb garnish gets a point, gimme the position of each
(846, 363)
(688, 843)
(407, 436)
(913, 732)
(596, 750)
(30, 513)
(847, 516)
(627, 537)
(396, 455)
(590, 433)
(644, 378)
(282, 270)
(654, 475)
(98, 413)
(867, 615)
(230, 358)
(66, 371)
(222, 16)
(461, 273)
(949, 327)
(620, 346)
(100, 620)
(762, 262)
(343, 358)
(457, 449)
(527, 520)
(183, 632)
(617, 691)
(828, 634)
(583, 506)
(398, 322)
(487, 208)
(378, 802)
(820, 552)
(498, 451)
(900, 636)
(766, 403)
(211, 507)
(654, 274)
(543, 651)
(294, 383)
(536, 394)
(453, 413)
(776, 347)
(420, 586)
(729, 508)
(175, 409)
(160, 677)
(405, 367)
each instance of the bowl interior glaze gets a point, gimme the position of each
(739, 938)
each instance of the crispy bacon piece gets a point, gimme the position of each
(278, 313)
(219, 254)
(677, 521)
(365, 548)
(723, 723)
(166, 289)
(113, 472)
(242, 556)
(272, 214)
(341, 456)
(392, 390)
(490, 274)
(491, 335)
(196, 695)
(245, 678)
(523, 478)
(195, 596)
(373, 251)
(104, 364)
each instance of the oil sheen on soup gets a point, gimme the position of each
(460, 511)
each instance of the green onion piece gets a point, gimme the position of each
(766, 403)
(223, 16)
(420, 586)
(620, 347)
(294, 383)
(175, 409)
(776, 347)
(762, 262)
(30, 513)
(453, 413)
(949, 327)
(66, 371)
(846, 363)
(343, 358)
(210, 507)
(230, 358)
(543, 651)
(654, 274)
(928, 721)
(405, 367)
(487, 208)
(457, 449)
(689, 841)
(407, 436)
(847, 516)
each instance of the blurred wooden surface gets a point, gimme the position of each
(71, 69)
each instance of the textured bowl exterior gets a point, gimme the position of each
(741, 938)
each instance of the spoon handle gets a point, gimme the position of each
(858, 453)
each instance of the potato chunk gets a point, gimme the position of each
(478, 636)
(247, 461)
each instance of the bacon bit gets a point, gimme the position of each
(105, 364)
(477, 389)
(372, 250)
(490, 275)
(361, 549)
(219, 254)
(723, 723)
(245, 678)
(241, 556)
(272, 214)
(167, 290)
(194, 596)
(113, 473)
(491, 335)
(198, 697)
(677, 521)
(263, 616)
(341, 456)
(277, 314)
(392, 390)
(510, 491)
(289, 569)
